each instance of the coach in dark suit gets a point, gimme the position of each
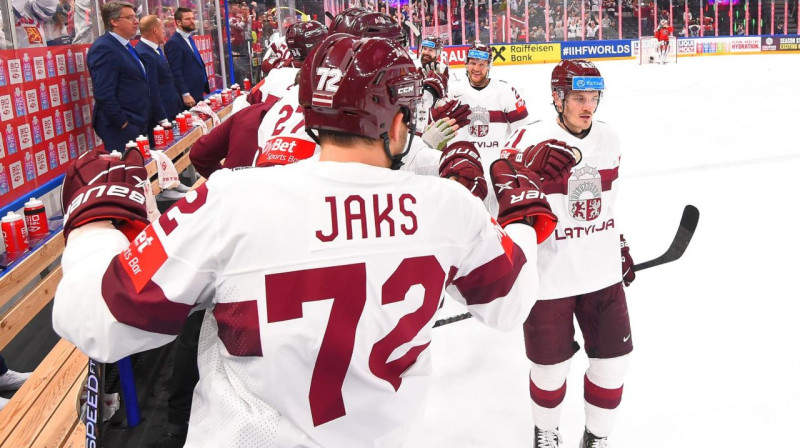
(187, 66)
(122, 109)
(165, 98)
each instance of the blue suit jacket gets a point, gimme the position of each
(121, 93)
(189, 72)
(166, 101)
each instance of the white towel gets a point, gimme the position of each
(167, 174)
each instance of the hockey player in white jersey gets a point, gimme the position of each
(496, 108)
(301, 38)
(579, 265)
(319, 299)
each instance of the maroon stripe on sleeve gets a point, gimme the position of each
(238, 327)
(608, 177)
(498, 116)
(548, 398)
(516, 115)
(493, 279)
(148, 310)
(600, 397)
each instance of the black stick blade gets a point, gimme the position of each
(691, 215)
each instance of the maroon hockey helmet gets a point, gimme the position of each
(301, 37)
(433, 42)
(362, 22)
(577, 74)
(479, 50)
(357, 86)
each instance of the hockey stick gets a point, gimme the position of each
(689, 219)
(93, 418)
(681, 241)
(329, 15)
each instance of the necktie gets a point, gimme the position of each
(132, 51)
(197, 55)
(161, 53)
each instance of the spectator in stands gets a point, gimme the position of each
(591, 30)
(10, 380)
(694, 29)
(538, 35)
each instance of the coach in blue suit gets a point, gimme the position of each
(187, 66)
(122, 109)
(165, 98)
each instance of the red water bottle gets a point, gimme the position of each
(226, 96)
(181, 120)
(168, 131)
(159, 137)
(188, 116)
(144, 146)
(36, 219)
(15, 235)
(246, 84)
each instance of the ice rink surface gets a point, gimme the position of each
(716, 361)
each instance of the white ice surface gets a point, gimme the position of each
(716, 361)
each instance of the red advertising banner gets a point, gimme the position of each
(206, 49)
(45, 115)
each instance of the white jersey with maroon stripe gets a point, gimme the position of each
(497, 111)
(283, 139)
(282, 136)
(276, 84)
(321, 291)
(583, 254)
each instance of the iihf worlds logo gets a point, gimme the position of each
(479, 122)
(585, 191)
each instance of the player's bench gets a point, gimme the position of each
(44, 411)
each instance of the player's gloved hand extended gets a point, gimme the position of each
(628, 274)
(521, 200)
(551, 160)
(439, 133)
(451, 109)
(100, 186)
(462, 163)
(435, 82)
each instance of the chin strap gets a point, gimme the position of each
(397, 160)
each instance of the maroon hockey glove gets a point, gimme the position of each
(462, 163)
(436, 83)
(99, 186)
(551, 160)
(521, 200)
(628, 274)
(267, 67)
(255, 96)
(451, 109)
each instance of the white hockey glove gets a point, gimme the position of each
(439, 133)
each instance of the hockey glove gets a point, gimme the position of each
(520, 199)
(451, 109)
(99, 186)
(438, 134)
(628, 274)
(551, 160)
(462, 163)
(436, 83)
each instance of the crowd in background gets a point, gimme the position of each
(586, 19)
